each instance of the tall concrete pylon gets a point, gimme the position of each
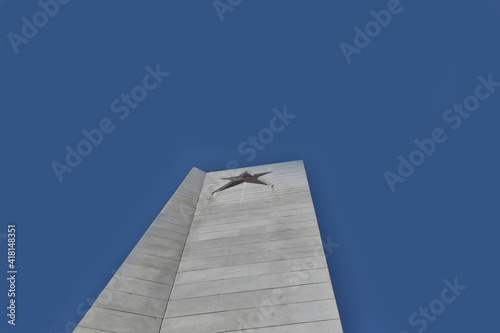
(233, 251)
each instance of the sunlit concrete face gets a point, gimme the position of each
(248, 258)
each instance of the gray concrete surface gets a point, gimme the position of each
(248, 259)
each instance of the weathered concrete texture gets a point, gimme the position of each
(136, 298)
(253, 260)
(247, 259)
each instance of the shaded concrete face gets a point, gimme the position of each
(136, 298)
(251, 260)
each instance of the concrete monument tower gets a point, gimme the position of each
(232, 251)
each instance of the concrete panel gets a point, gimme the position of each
(327, 326)
(126, 302)
(249, 299)
(118, 321)
(247, 283)
(139, 287)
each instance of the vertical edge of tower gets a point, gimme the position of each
(135, 299)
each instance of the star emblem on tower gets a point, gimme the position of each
(245, 177)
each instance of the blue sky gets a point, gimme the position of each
(357, 116)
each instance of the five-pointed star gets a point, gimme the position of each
(245, 177)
